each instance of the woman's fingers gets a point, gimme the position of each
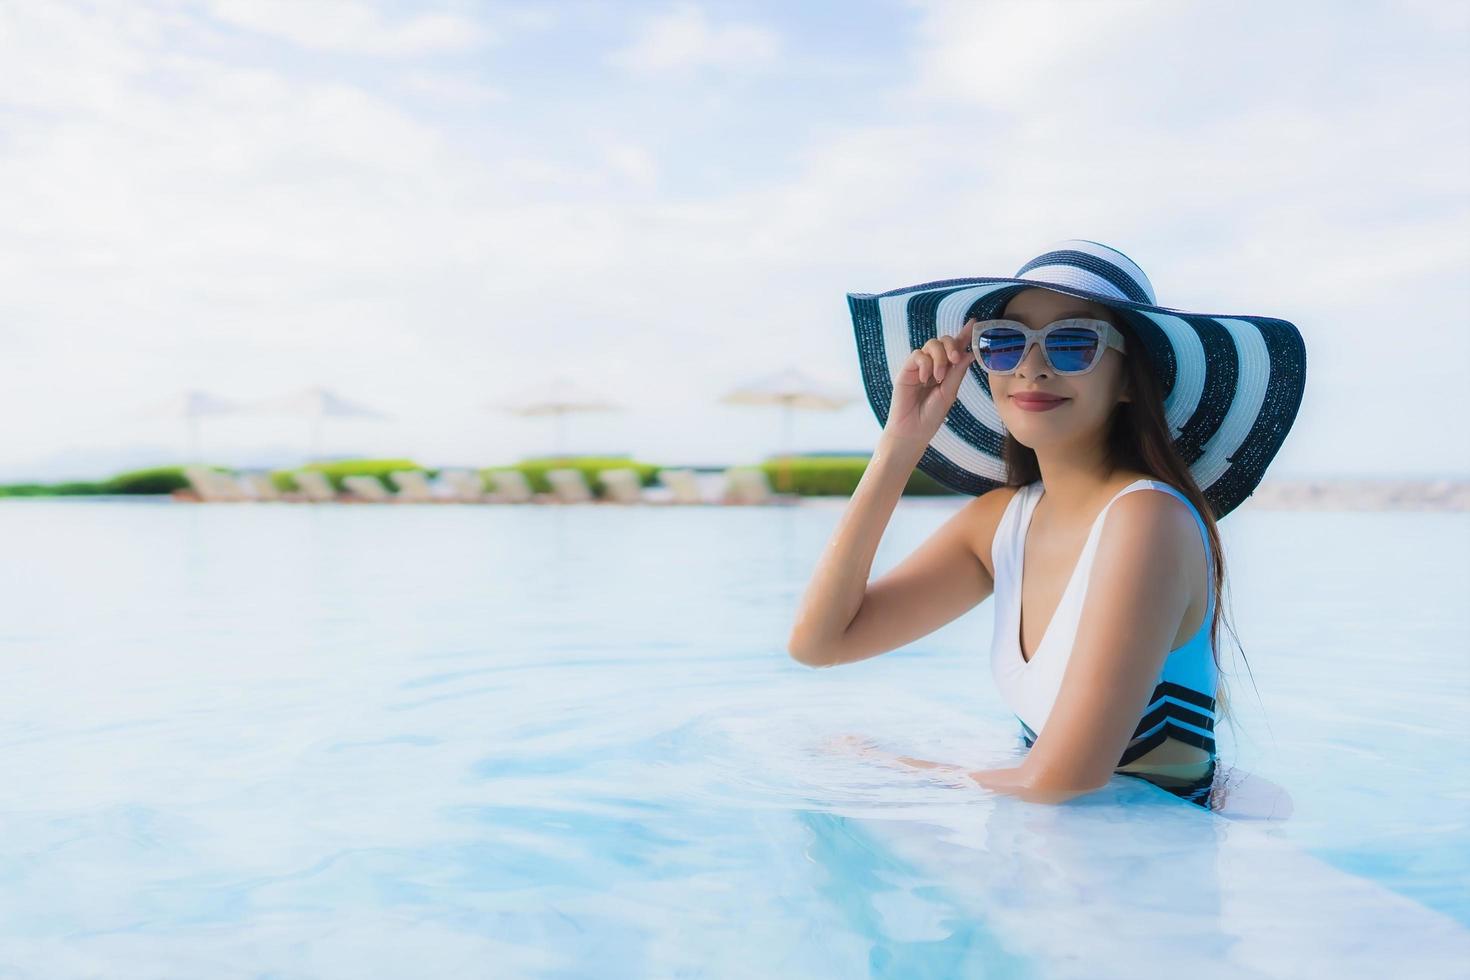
(934, 360)
(938, 357)
(924, 364)
(946, 352)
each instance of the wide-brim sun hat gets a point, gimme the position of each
(1232, 383)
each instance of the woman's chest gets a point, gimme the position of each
(1050, 560)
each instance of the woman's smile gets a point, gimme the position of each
(1031, 401)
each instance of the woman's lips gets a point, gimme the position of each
(1037, 403)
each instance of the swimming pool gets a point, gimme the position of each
(410, 741)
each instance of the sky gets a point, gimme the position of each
(430, 207)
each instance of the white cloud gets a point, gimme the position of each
(99, 53)
(1443, 15)
(450, 88)
(632, 161)
(683, 38)
(1012, 54)
(352, 26)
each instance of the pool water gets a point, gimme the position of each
(408, 741)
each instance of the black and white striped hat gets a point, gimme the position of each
(1232, 384)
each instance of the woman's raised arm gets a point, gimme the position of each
(840, 619)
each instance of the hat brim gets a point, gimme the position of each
(1232, 383)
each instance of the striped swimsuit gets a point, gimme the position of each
(1183, 703)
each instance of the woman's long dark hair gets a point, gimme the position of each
(1138, 439)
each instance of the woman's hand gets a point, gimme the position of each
(926, 387)
(1000, 780)
(867, 748)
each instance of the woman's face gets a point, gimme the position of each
(1088, 399)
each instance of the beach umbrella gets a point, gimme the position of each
(792, 391)
(315, 405)
(558, 398)
(190, 405)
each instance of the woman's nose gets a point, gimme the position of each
(1034, 363)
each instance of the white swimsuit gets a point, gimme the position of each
(1183, 702)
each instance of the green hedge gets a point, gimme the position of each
(51, 489)
(153, 480)
(837, 476)
(156, 479)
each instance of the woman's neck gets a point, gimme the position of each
(1074, 477)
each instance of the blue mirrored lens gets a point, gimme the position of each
(1072, 348)
(1000, 348)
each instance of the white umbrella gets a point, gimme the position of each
(557, 397)
(792, 390)
(190, 405)
(316, 404)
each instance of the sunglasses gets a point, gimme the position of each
(1072, 346)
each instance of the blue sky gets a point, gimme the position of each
(428, 206)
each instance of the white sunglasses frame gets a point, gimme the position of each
(1109, 333)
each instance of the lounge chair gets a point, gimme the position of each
(212, 486)
(465, 486)
(315, 485)
(683, 486)
(201, 487)
(625, 486)
(513, 488)
(260, 486)
(366, 488)
(413, 486)
(749, 485)
(569, 486)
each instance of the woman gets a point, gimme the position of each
(1077, 393)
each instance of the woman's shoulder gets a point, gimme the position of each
(1169, 500)
(986, 512)
(1167, 519)
(998, 498)
(992, 506)
(1128, 480)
